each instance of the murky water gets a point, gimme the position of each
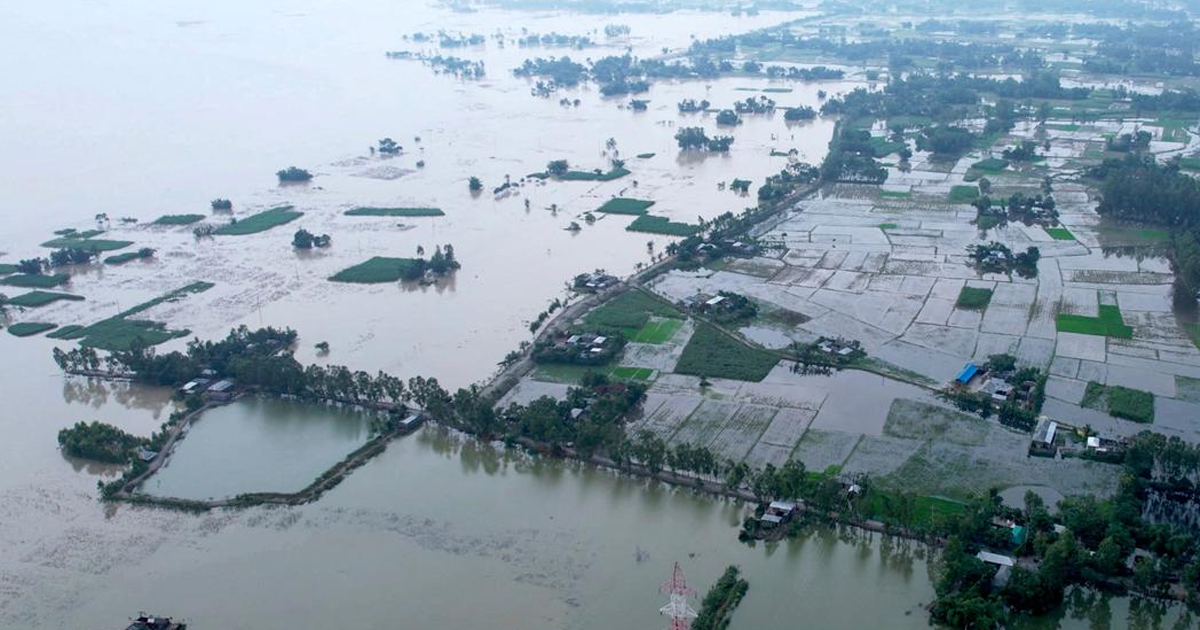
(258, 445)
(142, 109)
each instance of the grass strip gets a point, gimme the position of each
(1059, 233)
(29, 329)
(34, 299)
(36, 281)
(261, 222)
(86, 244)
(661, 225)
(377, 270)
(178, 219)
(367, 211)
(1107, 324)
(625, 205)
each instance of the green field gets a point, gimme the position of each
(973, 298)
(963, 194)
(645, 156)
(375, 271)
(895, 194)
(120, 333)
(1062, 126)
(1120, 402)
(661, 225)
(888, 226)
(712, 353)
(261, 222)
(659, 331)
(36, 281)
(6, 269)
(624, 205)
(1107, 324)
(1190, 163)
(34, 299)
(885, 506)
(628, 314)
(178, 219)
(990, 166)
(1060, 233)
(65, 332)
(394, 212)
(882, 147)
(28, 329)
(592, 176)
(631, 373)
(86, 244)
(118, 259)
(1193, 331)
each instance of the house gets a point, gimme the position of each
(968, 372)
(778, 512)
(146, 455)
(221, 390)
(995, 558)
(715, 300)
(997, 388)
(411, 421)
(1043, 438)
(193, 386)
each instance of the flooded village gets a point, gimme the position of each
(860, 315)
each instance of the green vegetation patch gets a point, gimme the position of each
(261, 222)
(1060, 233)
(86, 244)
(628, 314)
(973, 298)
(592, 176)
(99, 442)
(34, 299)
(376, 270)
(179, 219)
(28, 329)
(1190, 163)
(631, 373)
(659, 331)
(6, 269)
(625, 205)
(645, 156)
(883, 147)
(1120, 402)
(990, 166)
(661, 225)
(963, 194)
(888, 226)
(119, 259)
(65, 332)
(395, 212)
(895, 194)
(1193, 331)
(918, 512)
(1107, 324)
(1063, 126)
(712, 353)
(36, 281)
(119, 333)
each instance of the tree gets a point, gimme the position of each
(304, 239)
(728, 117)
(387, 146)
(221, 204)
(558, 168)
(31, 266)
(474, 184)
(293, 174)
(985, 186)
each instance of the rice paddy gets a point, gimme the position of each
(625, 205)
(261, 222)
(963, 194)
(1060, 233)
(972, 298)
(34, 299)
(628, 314)
(1120, 402)
(712, 353)
(661, 225)
(379, 269)
(1107, 324)
(179, 219)
(86, 244)
(36, 281)
(394, 212)
(29, 329)
(119, 333)
(658, 331)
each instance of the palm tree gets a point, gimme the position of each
(420, 251)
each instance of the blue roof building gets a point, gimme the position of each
(968, 372)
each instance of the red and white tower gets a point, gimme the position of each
(677, 609)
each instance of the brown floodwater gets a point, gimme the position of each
(142, 109)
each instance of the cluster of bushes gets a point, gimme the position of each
(996, 257)
(100, 442)
(304, 239)
(690, 138)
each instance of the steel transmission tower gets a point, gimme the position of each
(677, 609)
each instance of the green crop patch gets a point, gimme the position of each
(712, 353)
(65, 332)
(895, 194)
(179, 219)
(1119, 402)
(29, 329)
(659, 331)
(990, 166)
(1107, 324)
(34, 299)
(631, 373)
(963, 194)
(86, 244)
(1059, 233)
(119, 333)
(661, 225)
(974, 299)
(261, 222)
(377, 270)
(628, 313)
(1063, 126)
(593, 176)
(395, 212)
(120, 259)
(645, 156)
(1190, 163)
(625, 205)
(6, 269)
(888, 226)
(36, 281)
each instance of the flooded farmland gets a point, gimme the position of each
(144, 110)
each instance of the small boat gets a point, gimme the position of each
(150, 622)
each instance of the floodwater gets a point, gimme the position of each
(258, 445)
(141, 109)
